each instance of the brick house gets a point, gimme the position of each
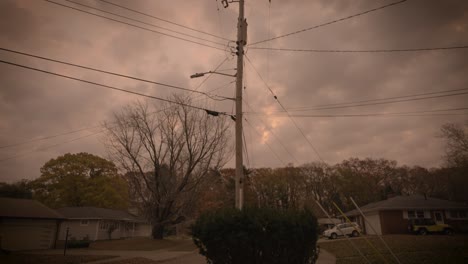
(392, 216)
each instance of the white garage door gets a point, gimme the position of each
(374, 220)
(27, 234)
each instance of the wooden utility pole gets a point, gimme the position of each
(241, 41)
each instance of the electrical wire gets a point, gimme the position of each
(266, 143)
(48, 147)
(284, 108)
(361, 51)
(164, 20)
(145, 23)
(47, 137)
(409, 113)
(81, 129)
(274, 134)
(108, 86)
(377, 103)
(136, 26)
(380, 99)
(330, 22)
(112, 73)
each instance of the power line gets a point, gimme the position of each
(48, 147)
(145, 23)
(380, 99)
(47, 137)
(136, 26)
(410, 113)
(274, 134)
(266, 143)
(71, 132)
(284, 108)
(331, 22)
(378, 103)
(164, 20)
(110, 87)
(111, 73)
(362, 51)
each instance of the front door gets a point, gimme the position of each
(438, 217)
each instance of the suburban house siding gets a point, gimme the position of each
(78, 231)
(99, 221)
(392, 216)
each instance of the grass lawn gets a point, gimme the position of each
(145, 244)
(48, 259)
(408, 248)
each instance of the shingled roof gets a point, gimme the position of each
(411, 202)
(26, 208)
(98, 213)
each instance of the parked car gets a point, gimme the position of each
(345, 229)
(423, 226)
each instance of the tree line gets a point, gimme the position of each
(168, 164)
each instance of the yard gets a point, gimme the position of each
(145, 244)
(48, 259)
(408, 248)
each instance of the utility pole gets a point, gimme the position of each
(241, 41)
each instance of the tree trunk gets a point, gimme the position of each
(157, 231)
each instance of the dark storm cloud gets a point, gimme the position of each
(33, 105)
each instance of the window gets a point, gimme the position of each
(415, 214)
(84, 222)
(103, 225)
(458, 214)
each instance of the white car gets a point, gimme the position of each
(345, 229)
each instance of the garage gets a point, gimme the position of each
(374, 220)
(27, 225)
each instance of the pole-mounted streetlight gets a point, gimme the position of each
(201, 74)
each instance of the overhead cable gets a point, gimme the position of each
(376, 103)
(363, 51)
(164, 20)
(284, 108)
(108, 86)
(145, 23)
(330, 22)
(113, 73)
(380, 99)
(408, 113)
(136, 26)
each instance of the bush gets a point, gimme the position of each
(260, 235)
(78, 244)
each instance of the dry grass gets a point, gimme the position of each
(408, 248)
(144, 244)
(49, 259)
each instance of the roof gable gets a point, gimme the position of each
(26, 208)
(410, 202)
(97, 213)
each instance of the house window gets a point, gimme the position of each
(415, 214)
(104, 225)
(84, 222)
(458, 214)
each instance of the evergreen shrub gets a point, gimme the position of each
(257, 235)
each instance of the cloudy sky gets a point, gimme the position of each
(34, 105)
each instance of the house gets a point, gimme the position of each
(27, 225)
(392, 216)
(92, 223)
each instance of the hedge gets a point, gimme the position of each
(260, 235)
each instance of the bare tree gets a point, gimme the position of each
(167, 155)
(456, 139)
